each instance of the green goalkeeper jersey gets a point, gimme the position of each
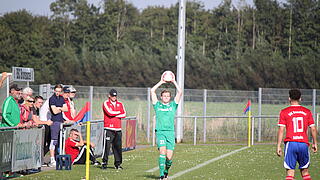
(165, 115)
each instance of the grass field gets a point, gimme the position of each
(257, 162)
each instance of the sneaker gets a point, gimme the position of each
(162, 178)
(118, 168)
(103, 166)
(45, 165)
(96, 163)
(53, 164)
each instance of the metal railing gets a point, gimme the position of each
(98, 137)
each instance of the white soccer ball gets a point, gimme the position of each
(168, 76)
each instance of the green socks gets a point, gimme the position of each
(168, 165)
(162, 163)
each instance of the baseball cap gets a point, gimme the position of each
(72, 89)
(66, 89)
(15, 87)
(113, 92)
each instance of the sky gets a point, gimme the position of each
(41, 7)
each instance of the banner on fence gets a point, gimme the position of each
(27, 149)
(131, 134)
(6, 141)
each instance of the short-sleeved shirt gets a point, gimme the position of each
(296, 119)
(71, 149)
(57, 101)
(165, 114)
(45, 113)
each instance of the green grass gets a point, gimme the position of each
(258, 162)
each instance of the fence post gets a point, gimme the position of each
(204, 115)
(252, 131)
(259, 113)
(91, 100)
(154, 131)
(148, 114)
(195, 131)
(317, 121)
(61, 143)
(314, 99)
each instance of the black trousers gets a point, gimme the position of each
(114, 138)
(47, 139)
(81, 158)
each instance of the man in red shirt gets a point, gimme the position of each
(67, 115)
(296, 119)
(77, 148)
(113, 111)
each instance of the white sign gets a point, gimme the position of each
(22, 74)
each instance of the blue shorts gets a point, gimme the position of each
(296, 152)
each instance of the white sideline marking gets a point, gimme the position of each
(200, 165)
(153, 169)
(206, 163)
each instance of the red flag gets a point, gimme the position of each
(248, 107)
(84, 114)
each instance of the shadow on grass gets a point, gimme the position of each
(99, 167)
(150, 176)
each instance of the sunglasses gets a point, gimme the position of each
(31, 101)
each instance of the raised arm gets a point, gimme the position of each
(81, 142)
(3, 77)
(179, 92)
(153, 91)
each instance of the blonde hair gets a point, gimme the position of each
(27, 90)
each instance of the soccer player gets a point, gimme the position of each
(165, 112)
(296, 119)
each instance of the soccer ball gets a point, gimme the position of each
(168, 76)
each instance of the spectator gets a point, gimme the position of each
(72, 106)
(45, 116)
(26, 114)
(57, 106)
(10, 108)
(77, 148)
(67, 116)
(25, 93)
(36, 112)
(3, 77)
(113, 112)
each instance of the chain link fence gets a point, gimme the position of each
(265, 101)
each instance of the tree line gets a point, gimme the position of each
(268, 44)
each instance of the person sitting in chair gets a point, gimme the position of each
(76, 148)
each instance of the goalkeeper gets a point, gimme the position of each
(165, 111)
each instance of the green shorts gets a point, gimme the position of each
(165, 138)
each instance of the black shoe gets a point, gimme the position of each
(118, 168)
(162, 177)
(165, 175)
(103, 166)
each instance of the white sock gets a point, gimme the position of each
(52, 159)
